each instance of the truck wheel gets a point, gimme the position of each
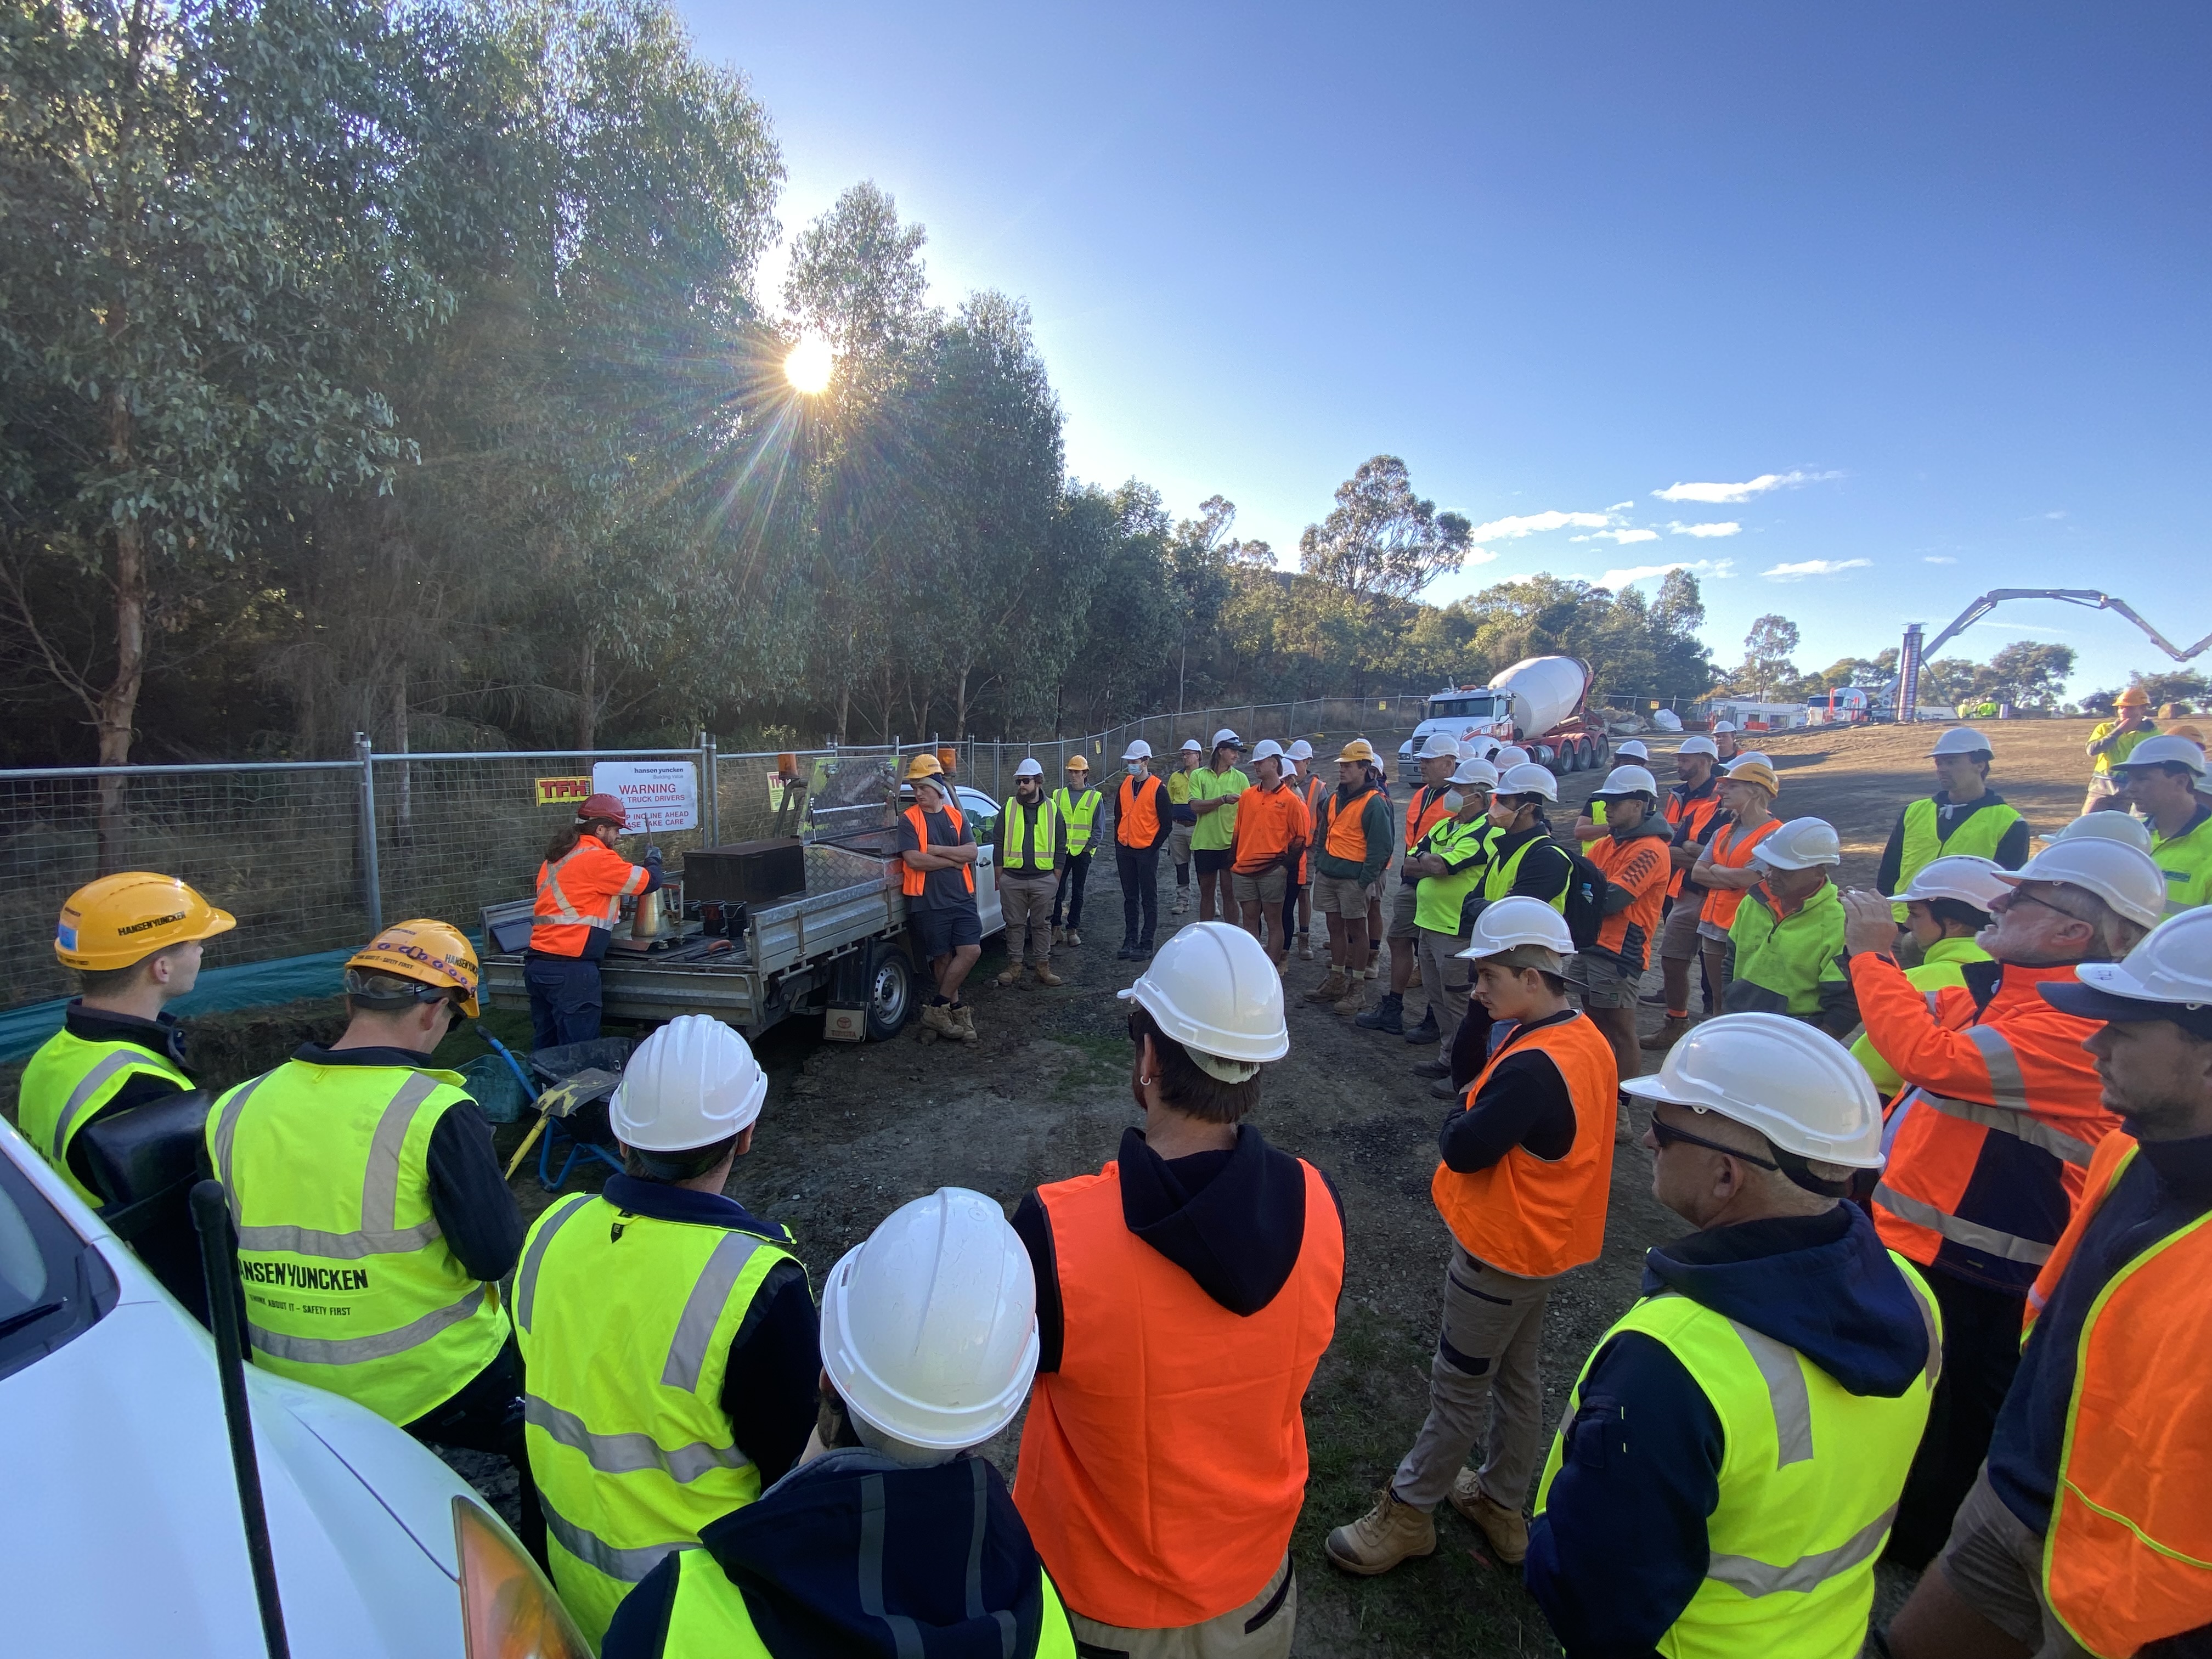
(891, 991)
(1569, 757)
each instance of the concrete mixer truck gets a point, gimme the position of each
(1538, 703)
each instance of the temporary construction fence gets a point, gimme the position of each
(311, 856)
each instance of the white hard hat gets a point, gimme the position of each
(1266, 749)
(1720, 726)
(929, 1328)
(1759, 755)
(1627, 781)
(1800, 844)
(1510, 922)
(2164, 751)
(1225, 735)
(1633, 749)
(1961, 876)
(1028, 769)
(1476, 771)
(1796, 1085)
(1961, 741)
(1528, 779)
(2122, 827)
(1698, 743)
(1509, 755)
(1440, 747)
(1193, 746)
(2171, 970)
(2116, 872)
(1212, 989)
(690, 1084)
(1300, 750)
(1138, 750)
(1465, 749)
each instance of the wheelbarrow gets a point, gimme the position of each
(571, 1119)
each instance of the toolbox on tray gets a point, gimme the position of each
(755, 872)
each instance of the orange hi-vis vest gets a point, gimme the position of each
(1731, 849)
(1345, 836)
(911, 880)
(1137, 817)
(1163, 1464)
(2128, 1557)
(583, 890)
(1423, 815)
(1316, 790)
(1523, 1215)
(2001, 1113)
(1689, 818)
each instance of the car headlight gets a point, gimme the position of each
(508, 1610)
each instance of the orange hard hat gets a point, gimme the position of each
(2133, 697)
(121, 920)
(434, 954)
(604, 809)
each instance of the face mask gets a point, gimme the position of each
(1452, 801)
(1137, 770)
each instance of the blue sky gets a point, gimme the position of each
(1941, 275)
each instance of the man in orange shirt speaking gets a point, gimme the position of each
(1268, 842)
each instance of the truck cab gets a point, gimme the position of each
(1460, 712)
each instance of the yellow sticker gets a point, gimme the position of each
(556, 791)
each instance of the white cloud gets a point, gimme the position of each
(1479, 555)
(1617, 579)
(1791, 573)
(1937, 558)
(1623, 537)
(1726, 528)
(1531, 524)
(1721, 493)
(1620, 507)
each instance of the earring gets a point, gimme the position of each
(1143, 1082)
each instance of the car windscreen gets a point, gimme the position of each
(53, 1285)
(1461, 707)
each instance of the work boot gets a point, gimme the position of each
(1127, 952)
(1074, 938)
(1045, 976)
(963, 1022)
(1431, 1068)
(1387, 1015)
(1386, 1535)
(1353, 1000)
(1414, 982)
(1671, 1031)
(1506, 1529)
(1059, 934)
(1181, 904)
(1305, 947)
(1427, 1031)
(1331, 987)
(1143, 950)
(1011, 977)
(1442, 1089)
(938, 1017)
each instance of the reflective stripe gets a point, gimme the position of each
(525, 1280)
(353, 1350)
(1933, 1368)
(906, 1636)
(1785, 1391)
(338, 1247)
(1936, 1004)
(226, 1131)
(2020, 1125)
(81, 1097)
(629, 1565)
(1807, 1572)
(1958, 1231)
(2006, 1087)
(567, 914)
(628, 1453)
(687, 1353)
(379, 1233)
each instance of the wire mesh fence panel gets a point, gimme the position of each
(278, 848)
(845, 790)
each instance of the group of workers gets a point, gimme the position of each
(1947, 1296)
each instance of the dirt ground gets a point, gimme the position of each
(850, 1132)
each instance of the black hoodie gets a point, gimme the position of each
(160, 1035)
(855, 1554)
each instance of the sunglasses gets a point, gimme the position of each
(1665, 1134)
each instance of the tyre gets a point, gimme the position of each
(1570, 759)
(891, 991)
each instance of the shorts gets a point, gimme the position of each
(1678, 934)
(1210, 861)
(1403, 905)
(1179, 841)
(1995, 1563)
(1604, 983)
(1339, 895)
(1262, 887)
(940, 933)
(1713, 933)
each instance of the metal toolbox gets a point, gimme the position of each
(755, 872)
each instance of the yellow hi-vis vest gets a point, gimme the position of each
(1808, 1483)
(348, 1282)
(1979, 835)
(1076, 813)
(625, 1323)
(1497, 878)
(66, 1083)
(2186, 862)
(708, 1618)
(1017, 854)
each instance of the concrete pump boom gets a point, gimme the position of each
(2081, 596)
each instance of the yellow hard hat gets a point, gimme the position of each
(1358, 749)
(2133, 697)
(1076, 763)
(121, 920)
(435, 953)
(924, 765)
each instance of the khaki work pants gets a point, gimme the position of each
(1260, 1629)
(1026, 899)
(1486, 1367)
(1445, 975)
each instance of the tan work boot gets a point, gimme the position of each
(964, 1023)
(1073, 937)
(1414, 982)
(1011, 978)
(1305, 948)
(1386, 1535)
(1353, 1000)
(1672, 1031)
(1331, 987)
(1181, 901)
(938, 1017)
(1059, 936)
(1045, 976)
(1506, 1529)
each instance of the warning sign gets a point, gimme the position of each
(659, 795)
(563, 791)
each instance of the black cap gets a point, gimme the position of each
(2071, 996)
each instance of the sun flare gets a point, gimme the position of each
(808, 366)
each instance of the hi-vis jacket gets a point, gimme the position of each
(2001, 1113)
(580, 895)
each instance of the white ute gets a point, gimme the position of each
(121, 1531)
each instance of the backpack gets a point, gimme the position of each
(1585, 910)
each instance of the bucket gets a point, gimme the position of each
(950, 760)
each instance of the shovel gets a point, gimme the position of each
(564, 1099)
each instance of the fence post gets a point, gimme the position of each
(710, 820)
(371, 885)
